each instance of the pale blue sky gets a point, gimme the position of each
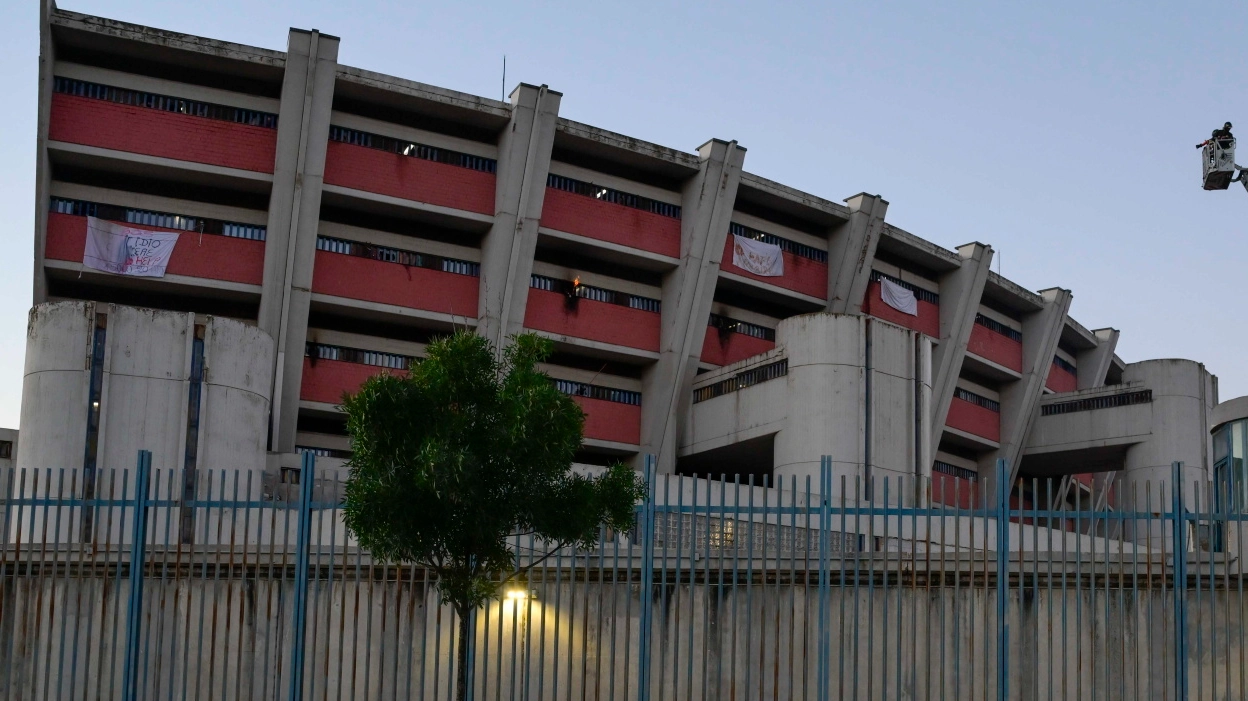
(1061, 132)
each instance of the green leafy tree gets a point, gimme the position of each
(450, 463)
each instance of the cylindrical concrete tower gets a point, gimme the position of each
(105, 381)
(859, 390)
(1184, 394)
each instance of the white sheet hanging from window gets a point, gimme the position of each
(760, 258)
(898, 297)
(124, 250)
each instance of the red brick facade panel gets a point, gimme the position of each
(329, 380)
(204, 256)
(611, 421)
(1061, 380)
(371, 280)
(952, 491)
(990, 345)
(592, 320)
(800, 274)
(405, 177)
(728, 348)
(974, 419)
(928, 320)
(610, 222)
(91, 122)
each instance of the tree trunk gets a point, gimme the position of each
(462, 673)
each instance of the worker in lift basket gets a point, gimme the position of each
(1223, 136)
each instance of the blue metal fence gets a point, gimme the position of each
(725, 589)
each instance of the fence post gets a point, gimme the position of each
(1180, 583)
(646, 608)
(307, 475)
(138, 558)
(822, 670)
(1003, 578)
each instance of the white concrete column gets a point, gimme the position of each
(1093, 364)
(706, 211)
(43, 169)
(851, 251)
(294, 215)
(1020, 400)
(507, 250)
(960, 292)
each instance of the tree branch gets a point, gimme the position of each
(524, 570)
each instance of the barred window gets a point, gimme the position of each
(997, 327)
(386, 254)
(919, 292)
(164, 103)
(164, 220)
(606, 194)
(610, 394)
(966, 396)
(1111, 401)
(741, 380)
(412, 149)
(955, 471)
(1065, 365)
(394, 361)
(597, 294)
(797, 249)
(728, 324)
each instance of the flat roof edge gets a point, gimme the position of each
(794, 195)
(425, 91)
(627, 143)
(164, 37)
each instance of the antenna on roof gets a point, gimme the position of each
(503, 91)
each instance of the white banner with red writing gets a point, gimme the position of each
(123, 250)
(757, 257)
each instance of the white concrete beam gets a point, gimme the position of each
(706, 212)
(294, 214)
(1020, 400)
(960, 293)
(507, 250)
(1093, 364)
(851, 251)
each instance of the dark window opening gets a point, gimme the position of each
(164, 103)
(741, 380)
(6, 450)
(751, 302)
(584, 262)
(164, 220)
(386, 254)
(608, 394)
(955, 471)
(1092, 403)
(369, 327)
(606, 194)
(1065, 365)
(997, 327)
(396, 115)
(576, 290)
(977, 400)
(397, 225)
(321, 351)
(730, 325)
(919, 292)
(412, 149)
(805, 226)
(233, 76)
(597, 162)
(595, 365)
(789, 245)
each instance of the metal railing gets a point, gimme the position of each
(402, 147)
(165, 220)
(164, 103)
(725, 589)
(606, 194)
(818, 255)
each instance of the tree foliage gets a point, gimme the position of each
(467, 451)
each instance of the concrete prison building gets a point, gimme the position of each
(330, 220)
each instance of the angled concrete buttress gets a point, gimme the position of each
(294, 215)
(1093, 364)
(851, 251)
(706, 211)
(1020, 400)
(43, 169)
(960, 292)
(507, 250)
